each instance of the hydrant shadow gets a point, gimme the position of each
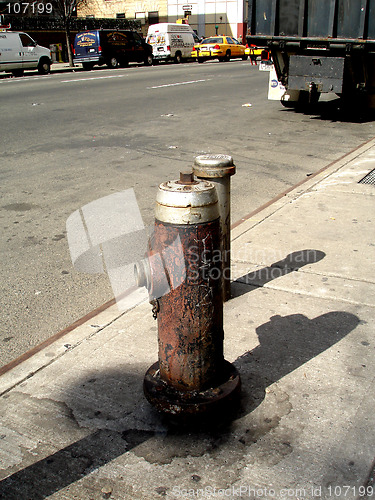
(121, 421)
(292, 263)
(285, 344)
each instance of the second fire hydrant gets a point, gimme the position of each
(183, 274)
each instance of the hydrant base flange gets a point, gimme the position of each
(174, 402)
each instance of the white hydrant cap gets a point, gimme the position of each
(186, 201)
(213, 166)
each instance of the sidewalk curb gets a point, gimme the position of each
(64, 67)
(38, 358)
(264, 211)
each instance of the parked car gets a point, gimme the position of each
(112, 47)
(223, 48)
(171, 41)
(18, 51)
(253, 50)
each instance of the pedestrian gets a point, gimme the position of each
(253, 57)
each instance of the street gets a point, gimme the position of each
(68, 139)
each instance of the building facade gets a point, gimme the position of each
(211, 17)
(148, 11)
(206, 17)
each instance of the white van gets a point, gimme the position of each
(18, 51)
(171, 41)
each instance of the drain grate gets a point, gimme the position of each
(369, 178)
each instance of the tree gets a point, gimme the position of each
(66, 10)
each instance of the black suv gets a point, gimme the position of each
(112, 47)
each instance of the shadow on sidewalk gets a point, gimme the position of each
(292, 263)
(286, 343)
(335, 110)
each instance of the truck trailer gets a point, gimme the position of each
(318, 46)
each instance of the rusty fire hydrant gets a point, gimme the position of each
(183, 274)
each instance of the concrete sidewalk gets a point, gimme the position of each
(299, 328)
(57, 67)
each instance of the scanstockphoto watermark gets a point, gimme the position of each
(207, 264)
(254, 492)
(249, 492)
(108, 236)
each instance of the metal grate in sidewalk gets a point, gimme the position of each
(369, 178)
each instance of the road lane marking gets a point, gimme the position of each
(92, 78)
(176, 84)
(7, 79)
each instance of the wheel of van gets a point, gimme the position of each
(113, 62)
(177, 58)
(149, 60)
(17, 72)
(44, 67)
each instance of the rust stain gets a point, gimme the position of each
(190, 319)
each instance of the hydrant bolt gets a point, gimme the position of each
(187, 178)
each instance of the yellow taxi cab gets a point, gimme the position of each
(253, 50)
(219, 47)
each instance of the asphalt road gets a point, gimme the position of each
(68, 139)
